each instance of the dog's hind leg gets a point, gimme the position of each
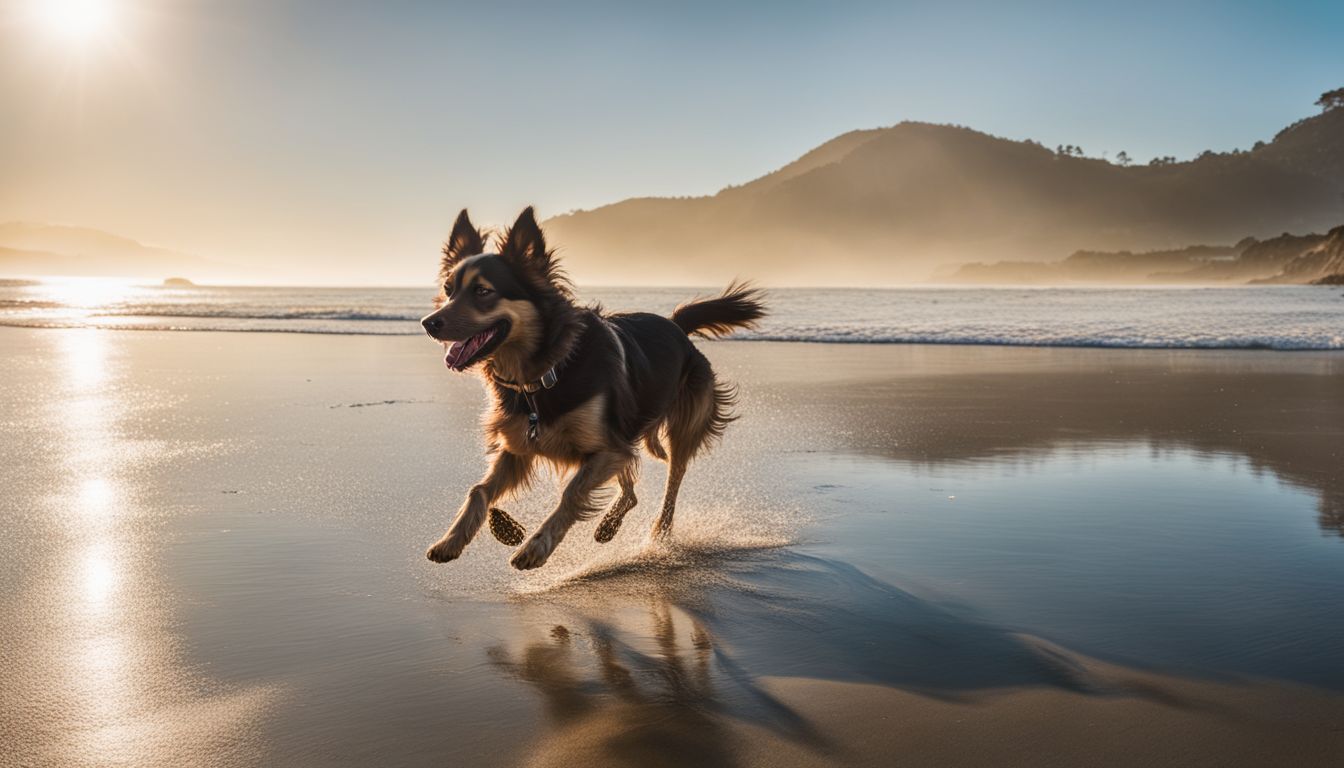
(576, 503)
(698, 417)
(611, 522)
(676, 469)
(507, 471)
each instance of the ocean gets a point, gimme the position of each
(1262, 317)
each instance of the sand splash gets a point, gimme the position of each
(704, 543)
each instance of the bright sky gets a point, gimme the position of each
(334, 141)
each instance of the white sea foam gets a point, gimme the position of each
(1282, 317)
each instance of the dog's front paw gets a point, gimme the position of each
(534, 553)
(447, 549)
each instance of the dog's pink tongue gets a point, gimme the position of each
(455, 353)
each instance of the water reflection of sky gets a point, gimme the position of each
(95, 664)
(270, 600)
(1157, 555)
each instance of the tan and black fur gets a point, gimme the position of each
(622, 381)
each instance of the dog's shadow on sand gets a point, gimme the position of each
(655, 661)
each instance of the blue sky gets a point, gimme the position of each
(337, 139)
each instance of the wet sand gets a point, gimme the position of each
(901, 555)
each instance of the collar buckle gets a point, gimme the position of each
(548, 378)
(547, 381)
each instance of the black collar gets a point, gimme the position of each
(547, 380)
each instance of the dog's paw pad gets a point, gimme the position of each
(505, 529)
(607, 529)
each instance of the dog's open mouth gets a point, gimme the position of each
(461, 354)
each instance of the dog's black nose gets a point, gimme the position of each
(432, 323)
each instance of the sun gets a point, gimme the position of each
(74, 21)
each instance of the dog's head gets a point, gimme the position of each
(491, 305)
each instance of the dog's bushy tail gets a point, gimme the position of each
(739, 306)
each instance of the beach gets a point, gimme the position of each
(901, 554)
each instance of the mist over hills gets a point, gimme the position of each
(1321, 262)
(50, 249)
(910, 202)
(914, 202)
(1286, 259)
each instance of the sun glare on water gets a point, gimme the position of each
(84, 295)
(74, 21)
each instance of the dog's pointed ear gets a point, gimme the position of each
(524, 240)
(464, 241)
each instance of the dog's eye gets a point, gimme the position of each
(482, 290)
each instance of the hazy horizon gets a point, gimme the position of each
(333, 143)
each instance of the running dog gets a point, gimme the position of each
(574, 386)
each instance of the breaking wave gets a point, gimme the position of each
(1277, 318)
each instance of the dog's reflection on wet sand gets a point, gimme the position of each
(611, 702)
(667, 661)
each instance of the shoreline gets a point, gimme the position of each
(729, 339)
(1273, 318)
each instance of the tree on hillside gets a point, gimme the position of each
(1122, 157)
(1331, 99)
